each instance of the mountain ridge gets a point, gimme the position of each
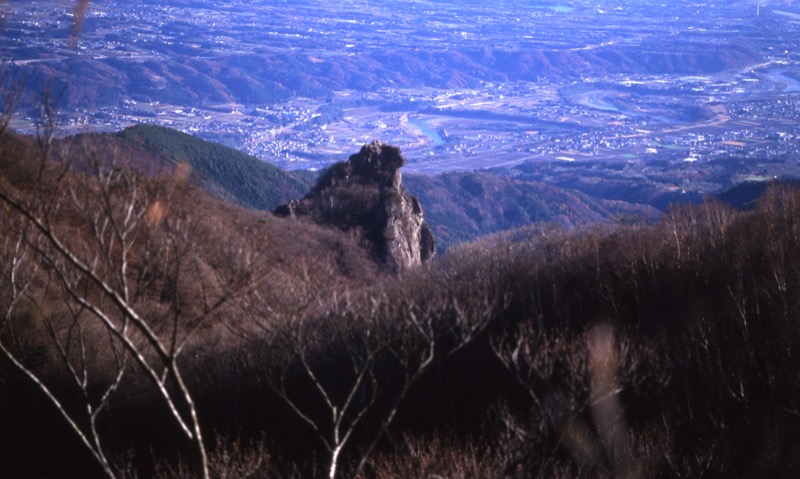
(459, 206)
(243, 178)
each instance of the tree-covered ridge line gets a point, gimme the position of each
(464, 206)
(460, 206)
(248, 180)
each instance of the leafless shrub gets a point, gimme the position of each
(577, 383)
(230, 458)
(123, 263)
(434, 457)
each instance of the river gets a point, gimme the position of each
(781, 78)
(426, 129)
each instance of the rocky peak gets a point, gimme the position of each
(364, 195)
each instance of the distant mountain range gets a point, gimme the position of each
(261, 53)
(180, 78)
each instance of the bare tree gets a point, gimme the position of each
(355, 356)
(123, 260)
(11, 93)
(68, 335)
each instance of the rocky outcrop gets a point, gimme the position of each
(365, 196)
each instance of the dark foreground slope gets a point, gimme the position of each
(92, 237)
(667, 350)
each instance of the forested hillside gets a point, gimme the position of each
(463, 206)
(246, 180)
(148, 329)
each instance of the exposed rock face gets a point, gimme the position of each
(364, 195)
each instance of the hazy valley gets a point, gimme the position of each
(455, 85)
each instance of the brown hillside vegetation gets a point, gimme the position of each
(148, 329)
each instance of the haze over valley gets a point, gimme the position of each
(645, 85)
